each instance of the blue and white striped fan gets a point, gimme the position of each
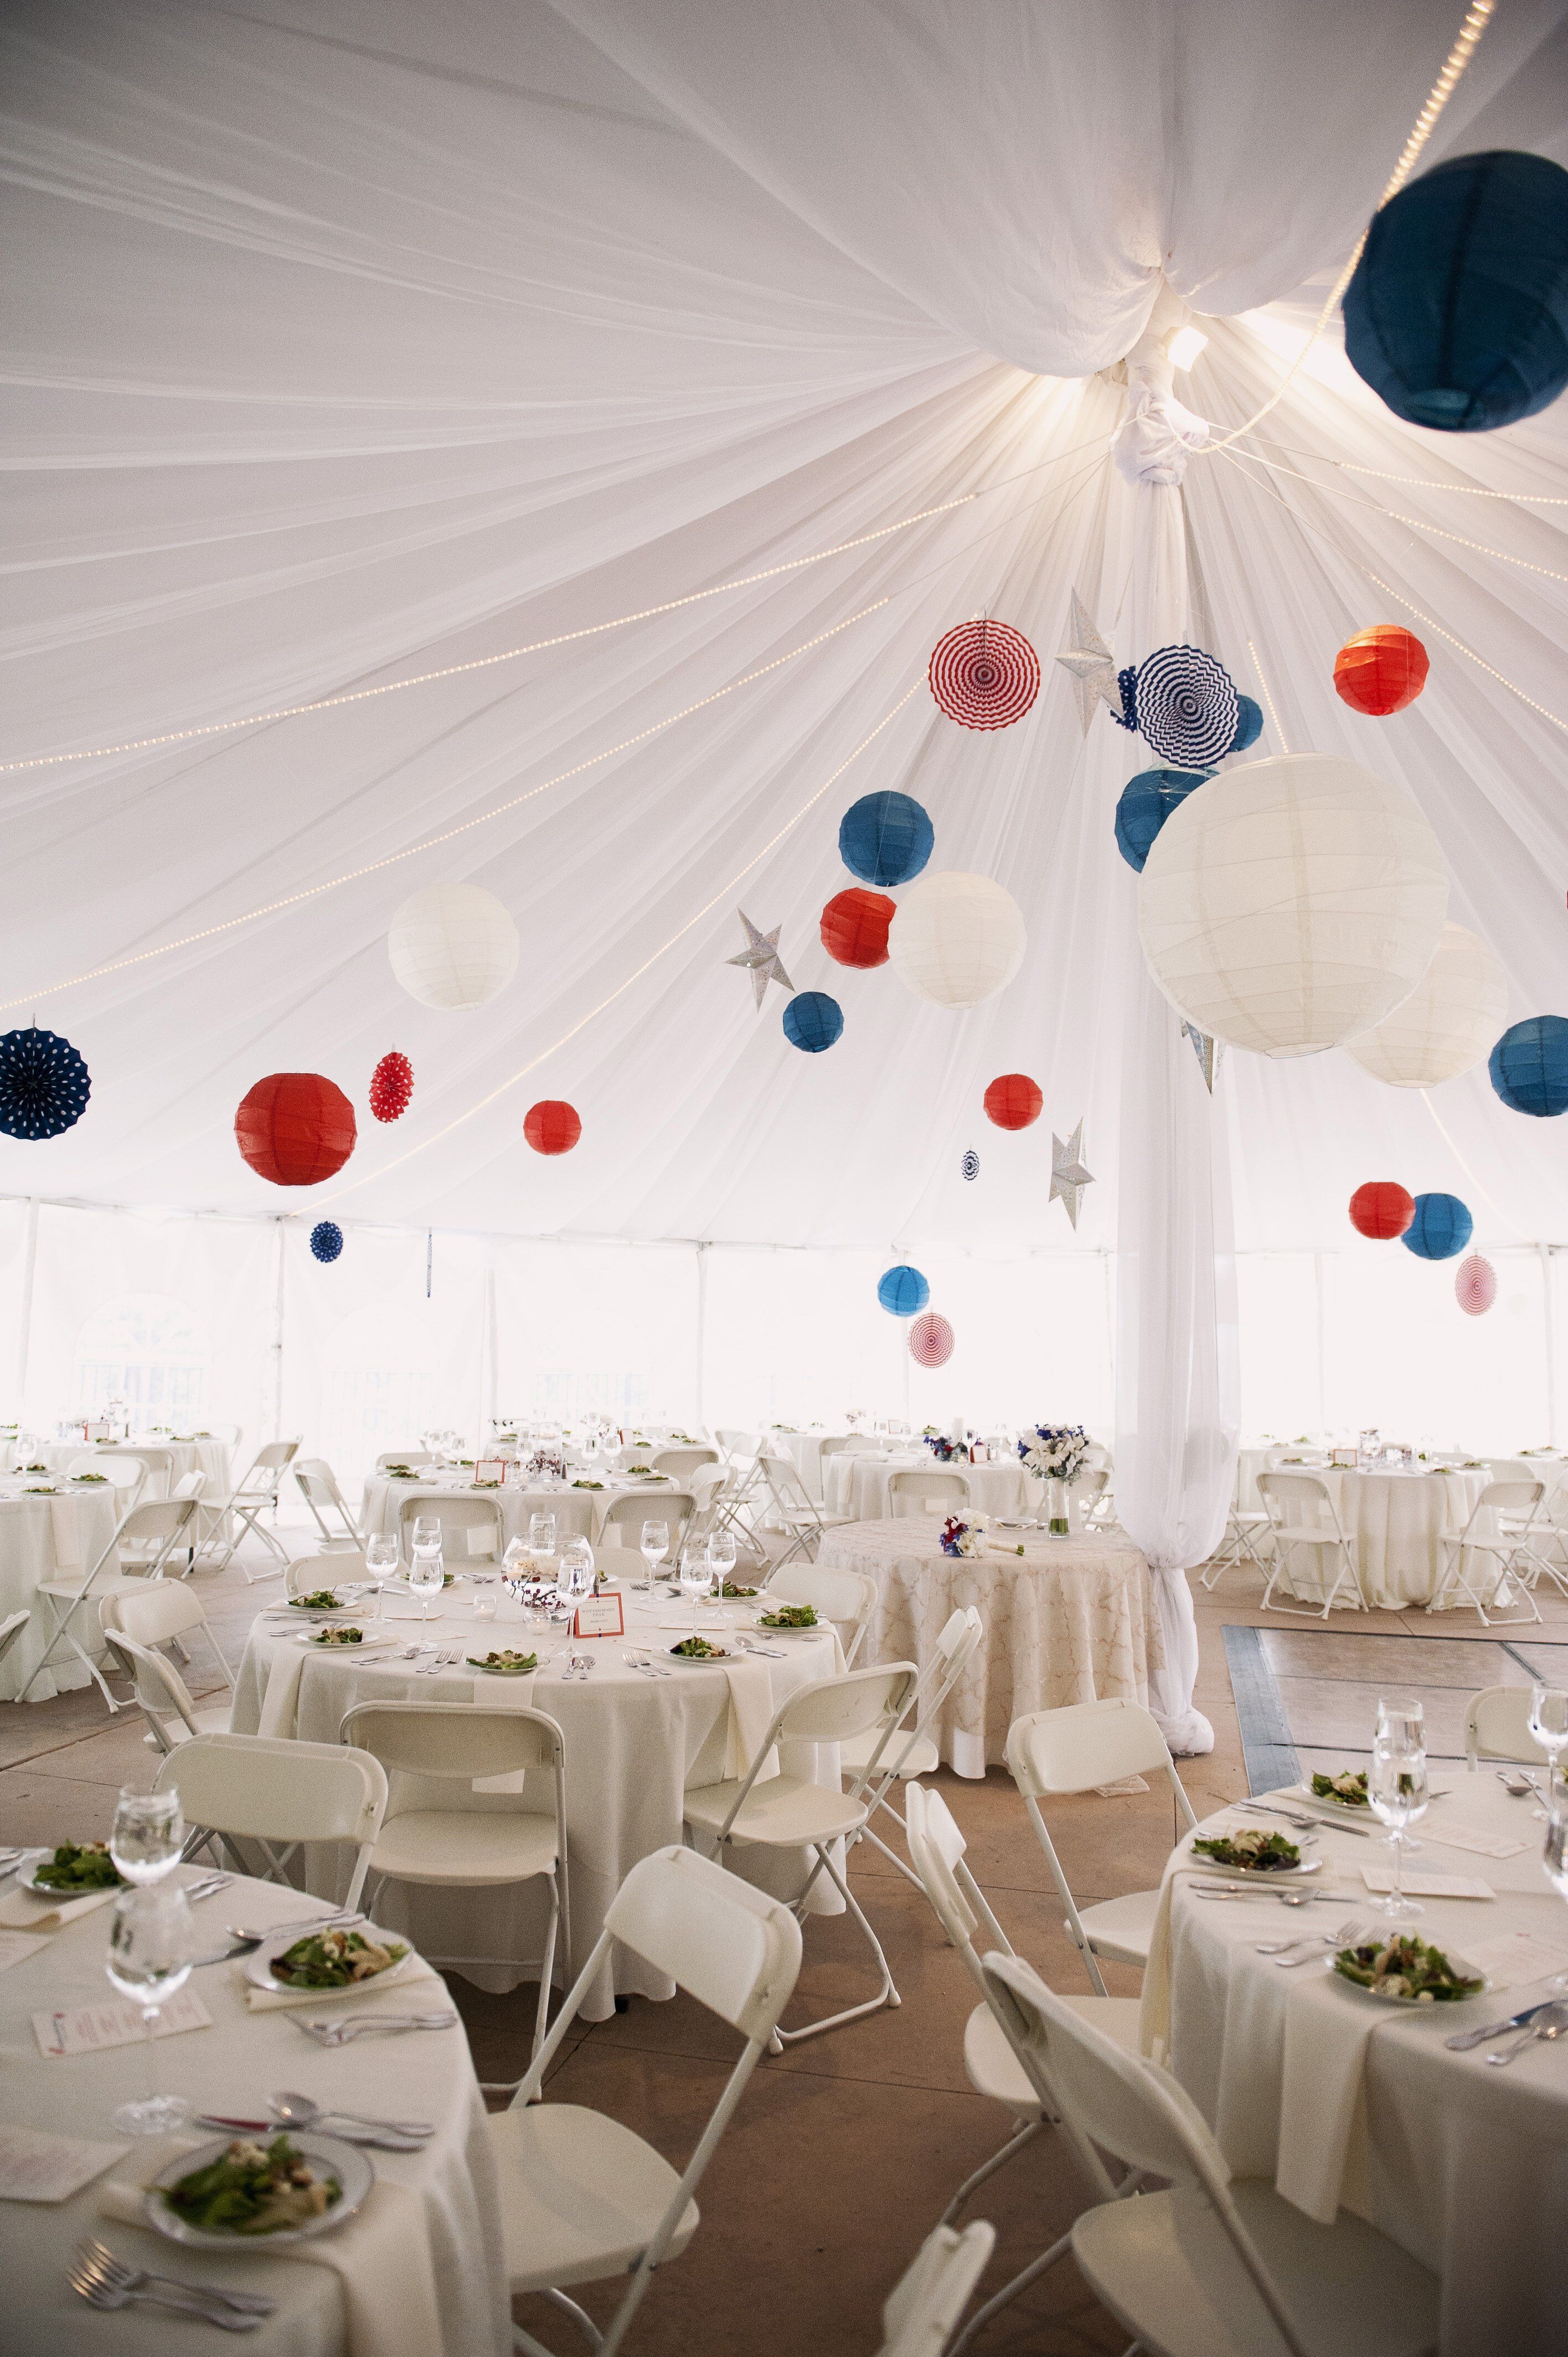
(1186, 705)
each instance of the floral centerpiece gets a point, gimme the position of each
(548, 1462)
(943, 1449)
(960, 1538)
(1057, 1454)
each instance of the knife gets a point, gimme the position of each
(1364, 1832)
(1463, 2041)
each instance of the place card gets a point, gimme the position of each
(88, 2027)
(1449, 1836)
(600, 1616)
(1517, 1957)
(38, 2168)
(16, 1947)
(1426, 1886)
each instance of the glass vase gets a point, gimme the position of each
(1056, 1508)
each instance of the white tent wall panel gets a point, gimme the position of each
(598, 1328)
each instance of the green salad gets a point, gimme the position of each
(89, 1477)
(1263, 1853)
(253, 2188)
(587, 1485)
(789, 1616)
(1404, 1966)
(730, 1589)
(336, 1960)
(505, 1660)
(697, 1649)
(78, 1867)
(320, 1599)
(1349, 1789)
(328, 1638)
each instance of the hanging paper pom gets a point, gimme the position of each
(969, 1165)
(295, 1128)
(1147, 801)
(391, 1086)
(1530, 1066)
(1381, 1209)
(453, 946)
(902, 1290)
(1441, 1227)
(1476, 1286)
(1012, 1101)
(1187, 707)
(885, 838)
(1382, 669)
(984, 674)
(326, 1240)
(957, 939)
(1250, 725)
(854, 927)
(1457, 315)
(552, 1126)
(44, 1085)
(813, 1021)
(930, 1341)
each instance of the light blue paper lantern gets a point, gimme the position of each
(1147, 801)
(902, 1291)
(885, 838)
(1442, 1227)
(1249, 727)
(813, 1021)
(1530, 1066)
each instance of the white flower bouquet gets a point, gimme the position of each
(1056, 1452)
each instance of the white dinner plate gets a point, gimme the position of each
(258, 1965)
(1259, 1873)
(707, 1661)
(23, 1878)
(1361, 1813)
(1414, 2004)
(368, 1643)
(346, 2163)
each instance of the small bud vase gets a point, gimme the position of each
(1056, 1508)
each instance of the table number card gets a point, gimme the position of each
(88, 2027)
(600, 1616)
(490, 1470)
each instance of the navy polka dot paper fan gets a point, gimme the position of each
(44, 1085)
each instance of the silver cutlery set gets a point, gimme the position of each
(292, 2111)
(107, 2282)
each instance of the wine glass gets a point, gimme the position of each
(542, 1535)
(380, 1562)
(1402, 1720)
(151, 1942)
(427, 1574)
(1555, 1862)
(146, 1836)
(577, 1577)
(1396, 1787)
(426, 1531)
(721, 1557)
(655, 1543)
(696, 1579)
(1549, 1725)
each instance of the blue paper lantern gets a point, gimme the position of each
(326, 1240)
(902, 1291)
(1249, 727)
(813, 1021)
(1457, 315)
(44, 1085)
(1442, 1227)
(885, 838)
(1530, 1066)
(1147, 801)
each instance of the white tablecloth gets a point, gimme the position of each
(581, 1511)
(167, 1461)
(232, 2068)
(1465, 2166)
(1069, 1621)
(632, 1744)
(805, 1449)
(859, 1485)
(49, 1538)
(1392, 1522)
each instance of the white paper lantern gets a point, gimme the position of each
(1448, 1022)
(957, 939)
(1290, 904)
(453, 946)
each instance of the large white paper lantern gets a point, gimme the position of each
(1448, 1022)
(957, 939)
(1290, 904)
(453, 946)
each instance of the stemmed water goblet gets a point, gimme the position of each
(655, 1546)
(150, 1956)
(721, 1554)
(380, 1562)
(427, 1573)
(1548, 1726)
(147, 1834)
(696, 1579)
(1397, 1789)
(1402, 1720)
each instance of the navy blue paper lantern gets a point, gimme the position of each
(1530, 1066)
(1249, 727)
(885, 838)
(1147, 801)
(1442, 1227)
(902, 1291)
(1457, 315)
(44, 1085)
(813, 1021)
(326, 1240)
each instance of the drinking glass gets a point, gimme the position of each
(426, 1531)
(575, 1578)
(542, 1535)
(151, 1942)
(1402, 1720)
(147, 1834)
(1555, 1861)
(655, 1545)
(696, 1579)
(721, 1557)
(380, 1562)
(1396, 1787)
(427, 1574)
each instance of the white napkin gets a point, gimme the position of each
(67, 1534)
(280, 1703)
(750, 1715)
(381, 2258)
(20, 1911)
(260, 2000)
(1323, 2149)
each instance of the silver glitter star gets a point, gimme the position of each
(1068, 1176)
(1206, 1050)
(760, 958)
(1092, 665)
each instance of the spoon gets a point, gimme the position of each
(1518, 1783)
(299, 2112)
(249, 1932)
(1548, 2023)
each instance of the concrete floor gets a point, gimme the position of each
(847, 2148)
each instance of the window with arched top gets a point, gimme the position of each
(148, 1350)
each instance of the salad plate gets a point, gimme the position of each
(1400, 1969)
(684, 1651)
(223, 2193)
(1248, 1854)
(1345, 1794)
(333, 1958)
(333, 1637)
(81, 1867)
(504, 1664)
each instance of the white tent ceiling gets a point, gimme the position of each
(351, 342)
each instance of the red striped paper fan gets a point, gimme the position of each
(930, 1341)
(1476, 1286)
(984, 674)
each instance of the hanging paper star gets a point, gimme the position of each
(1092, 666)
(1068, 1176)
(1206, 1050)
(760, 958)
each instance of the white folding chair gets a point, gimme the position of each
(723, 1505)
(319, 1485)
(581, 2198)
(682, 1463)
(1239, 1540)
(11, 1628)
(307, 1574)
(1497, 1539)
(163, 1612)
(624, 1515)
(276, 1795)
(915, 1491)
(416, 1457)
(157, 1525)
(738, 1447)
(1210, 2267)
(1076, 1749)
(1497, 1726)
(472, 1528)
(921, 2311)
(791, 1504)
(913, 1751)
(256, 1495)
(1302, 1516)
(789, 1812)
(847, 1598)
(506, 1838)
(172, 1713)
(128, 1473)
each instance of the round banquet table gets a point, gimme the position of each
(167, 1461)
(1338, 2098)
(444, 2198)
(1392, 1522)
(579, 1510)
(632, 1745)
(1069, 1621)
(57, 1537)
(858, 1485)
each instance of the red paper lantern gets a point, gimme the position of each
(295, 1129)
(854, 927)
(1476, 1286)
(391, 1086)
(552, 1126)
(1382, 669)
(930, 1341)
(1012, 1101)
(1381, 1209)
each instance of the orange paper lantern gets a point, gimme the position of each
(552, 1126)
(1382, 669)
(1012, 1101)
(1381, 1209)
(854, 927)
(295, 1129)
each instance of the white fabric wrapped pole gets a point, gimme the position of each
(1448, 1022)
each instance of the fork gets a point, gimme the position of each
(750, 1645)
(99, 2259)
(343, 2033)
(1339, 1939)
(641, 1661)
(98, 2291)
(444, 1660)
